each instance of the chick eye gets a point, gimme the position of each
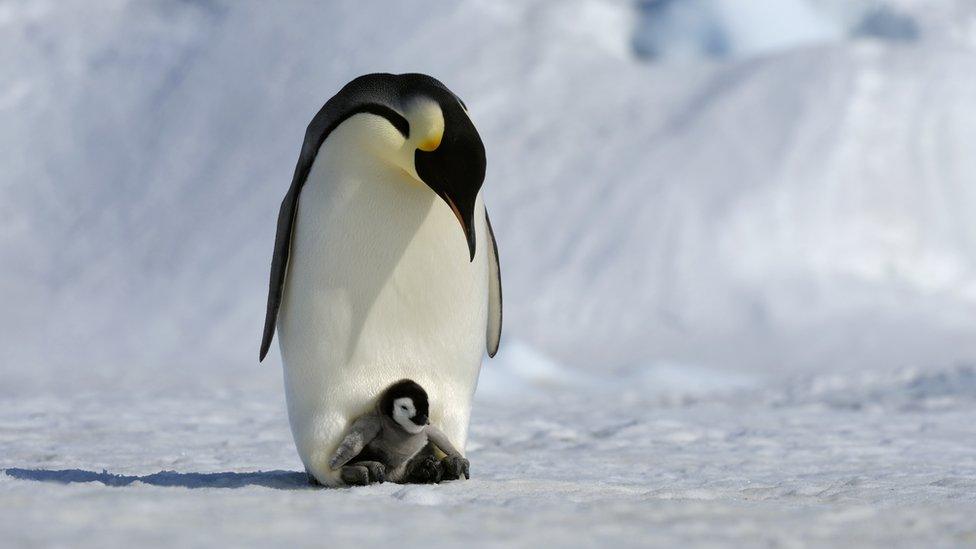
(404, 408)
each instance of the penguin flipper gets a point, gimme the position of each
(494, 293)
(279, 263)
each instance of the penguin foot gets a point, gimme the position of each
(425, 470)
(363, 473)
(377, 471)
(455, 467)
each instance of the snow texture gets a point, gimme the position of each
(737, 242)
(881, 461)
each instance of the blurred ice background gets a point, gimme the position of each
(770, 186)
(690, 196)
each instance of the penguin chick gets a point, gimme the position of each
(391, 443)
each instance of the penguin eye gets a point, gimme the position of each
(404, 408)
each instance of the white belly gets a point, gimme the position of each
(379, 288)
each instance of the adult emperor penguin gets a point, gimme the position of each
(385, 266)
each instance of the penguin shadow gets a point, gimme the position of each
(279, 480)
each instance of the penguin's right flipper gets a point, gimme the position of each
(494, 334)
(363, 430)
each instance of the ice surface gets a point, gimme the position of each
(740, 293)
(786, 465)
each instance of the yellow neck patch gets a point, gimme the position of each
(426, 124)
(431, 143)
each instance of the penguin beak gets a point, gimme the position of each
(455, 170)
(466, 221)
(421, 420)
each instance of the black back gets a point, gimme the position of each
(381, 94)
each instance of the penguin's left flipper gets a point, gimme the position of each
(494, 329)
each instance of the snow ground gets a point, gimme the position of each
(882, 461)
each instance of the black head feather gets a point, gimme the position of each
(409, 389)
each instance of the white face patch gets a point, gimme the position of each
(403, 410)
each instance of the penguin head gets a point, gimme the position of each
(426, 133)
(405, 402)
(449, 156)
